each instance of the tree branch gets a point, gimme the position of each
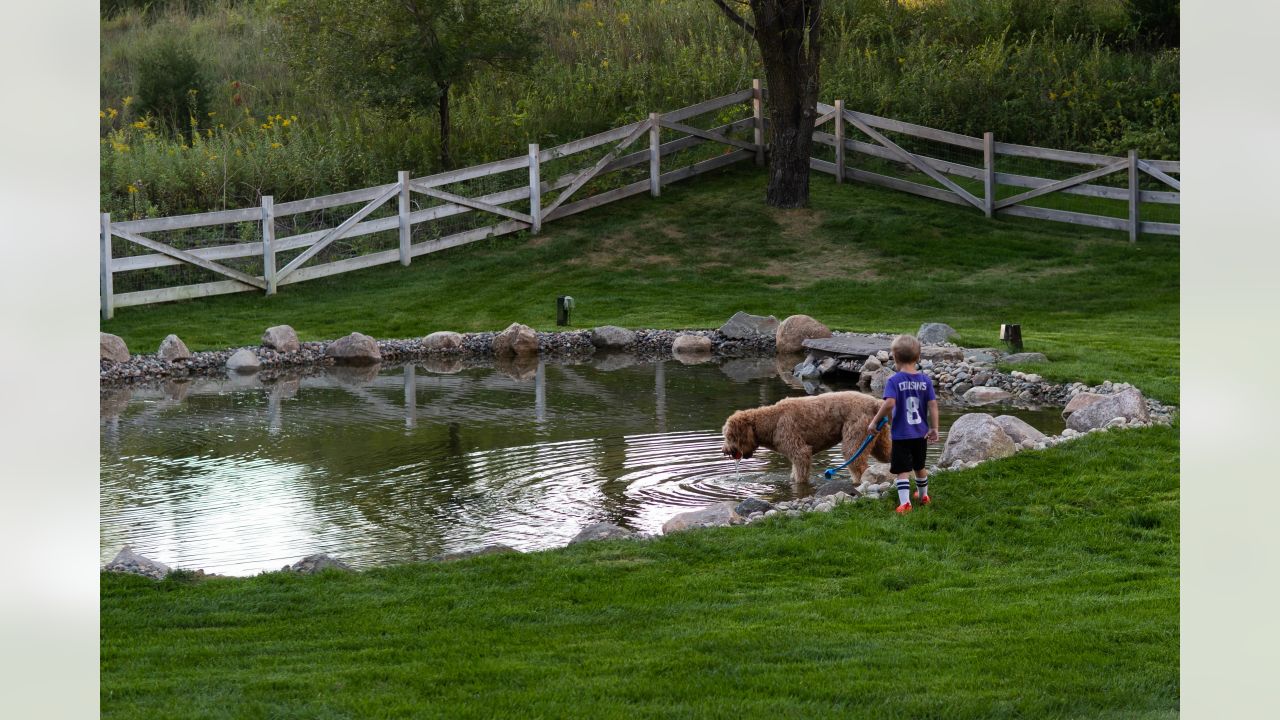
(736, 18)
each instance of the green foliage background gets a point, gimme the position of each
(1081, 74)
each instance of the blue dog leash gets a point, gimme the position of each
(831, 472)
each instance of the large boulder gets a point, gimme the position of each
(743, 326)
(984, 395)
(612, 337)
(717, 515)
(602, 531)
(128, 561)
(973, 438)
(517, 340)
(312, 564)
(793, 331)
(112, 347)
(281, 338)
(354, 349)
(838, 485)
(935, 333)
(1128, 404)
(1018, 430)
(243, 361)
(753, 505)
(442, 341)
(1079, 401)
(172, 348)
(1026, 357)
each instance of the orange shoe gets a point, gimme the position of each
(904, 508)
(923, 500)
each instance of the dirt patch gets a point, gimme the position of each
(799, 224)
(621, 251)
(825, 263)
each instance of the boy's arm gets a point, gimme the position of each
(933, 421)
(886, 407)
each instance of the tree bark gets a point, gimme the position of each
(446, 158)
(789, 35)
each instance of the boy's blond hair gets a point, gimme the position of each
(905, 349)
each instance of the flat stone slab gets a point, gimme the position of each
(854, 346)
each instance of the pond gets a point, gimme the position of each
(397, 464)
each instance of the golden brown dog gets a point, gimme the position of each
(798, 427)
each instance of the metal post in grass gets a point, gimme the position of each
(406, 230)
(1133, 196)
(269, 243)
(839, 141)
(988, 174)
(757, 115)
(655, 154)
(535, 189)
(104, 271)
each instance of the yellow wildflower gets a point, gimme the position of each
(1053, 95)
(604, 63)
(111, 113)
(133, 188)
(285, 122)
(599, 23)
(293, 118)
(102, 113)
(275, 145)
(141, 124)
(128, 99)
(266, 126)
(573, 34)
(624, 18)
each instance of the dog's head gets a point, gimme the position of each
(739, 436)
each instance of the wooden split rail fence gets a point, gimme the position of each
(987, 200)
(564, 188)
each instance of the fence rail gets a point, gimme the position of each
(535, 200)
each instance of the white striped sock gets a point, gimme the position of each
(904, 491)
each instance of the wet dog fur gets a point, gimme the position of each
(799, 427)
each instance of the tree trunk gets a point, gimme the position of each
(446, 158)
(789, 36)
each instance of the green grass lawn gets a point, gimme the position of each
(1041, 586)
(862, 258)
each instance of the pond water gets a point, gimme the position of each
(403, 463)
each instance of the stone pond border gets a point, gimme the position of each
(956, 371)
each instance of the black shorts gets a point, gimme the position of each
(907, 455)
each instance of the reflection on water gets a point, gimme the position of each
(391, 464)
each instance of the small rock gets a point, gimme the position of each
(831, 487)
(354, 349)
(442, 341)
(871, 365)
(934, 333)
(243, 361)
(985, 395)
(612, 337)
(172, 348)
(496, 549)
(281, 338)
(882, 356)
(691, 345)
(717, 515)
(112, 347)
(313, 564)
(750, 506)
(1033, 378)
(1026, 357)
(743, 326)
(128, 561)
(877, 473)
(602, 531)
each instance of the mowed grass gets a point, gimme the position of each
(1041, 586)
(861, 258)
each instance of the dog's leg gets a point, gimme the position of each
(801, 462)
(851, 439)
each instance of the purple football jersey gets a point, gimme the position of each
(911, 394)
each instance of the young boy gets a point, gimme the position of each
(911, 392)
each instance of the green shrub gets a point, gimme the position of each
(172, 88)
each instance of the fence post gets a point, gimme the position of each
(406, 230)
(104, 272)
(839, 141)
(269, 243)
(1133, 196)
(655, 154)
(535, 188)
(988, 174)
(757, 113)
